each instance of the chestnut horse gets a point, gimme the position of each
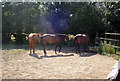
(53, 39)
(33, 38)
(80, 39)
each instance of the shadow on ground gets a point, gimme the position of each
(36, 56)
(48, 48)
(87, 54)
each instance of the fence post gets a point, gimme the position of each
(96, 40)
(105, 37)
(115, 50)
(115, 43)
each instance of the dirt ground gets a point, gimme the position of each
(19, 64)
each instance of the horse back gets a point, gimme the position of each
(82, 38)
(33, 37)
(51, 38)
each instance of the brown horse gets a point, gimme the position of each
(80, 39)
(33, 38)
(53, 39)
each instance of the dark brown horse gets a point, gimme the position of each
(80, 39)
(33, 38)
(53, 39)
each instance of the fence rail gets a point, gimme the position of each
(109, 39)
(113, 46)
(112, 33)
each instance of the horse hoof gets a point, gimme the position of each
(45, 55)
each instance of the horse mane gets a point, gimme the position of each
(62, 36)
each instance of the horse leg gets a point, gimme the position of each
(34, 45)
(79, 48)
(84, 47)
(76, 46)
(55, 49)
(44, 51)
(43, 44)
(60, 48)
(30, 46)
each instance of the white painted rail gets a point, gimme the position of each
(113, 74)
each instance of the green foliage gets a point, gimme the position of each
(70, 17)
(85, 19)
(112, 15)
(20, 18)
(107, 49)
(99, 50)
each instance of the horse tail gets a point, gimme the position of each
(33, 36)
(28, 38)
(75, 40)
(41, 37)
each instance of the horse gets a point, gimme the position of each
(33, 38)
(81, 39)
(53, 39)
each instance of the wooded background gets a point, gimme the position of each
(21, 18)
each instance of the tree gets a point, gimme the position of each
(85, 18)
(113, 15)
(20, 18)
(64, 17)
(6, 21)
(55, 17)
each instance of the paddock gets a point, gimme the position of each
(19, 64)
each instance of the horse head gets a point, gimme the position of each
(38, 36)
(67, 38)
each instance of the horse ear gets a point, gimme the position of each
(67, 38)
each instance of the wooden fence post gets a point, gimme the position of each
(115, 50)
(115, 43)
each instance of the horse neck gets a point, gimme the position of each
(75, 38)
(63, 37)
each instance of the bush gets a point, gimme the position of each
(105, 49)
(108, 50)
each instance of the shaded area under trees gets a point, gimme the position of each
(54, 17)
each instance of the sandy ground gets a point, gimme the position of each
(19, 64)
